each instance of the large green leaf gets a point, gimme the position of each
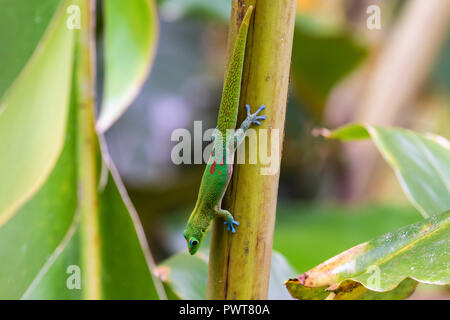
(31, 237)
(33, 116)
(131, 29)
(25, 20)
(421, 162)
(45, 246)
(125, 261)
(185, 276)
(383, 268)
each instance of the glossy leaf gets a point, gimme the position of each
(44, 243)
(45, 246)
(384, 267)
(125, 262)
(31, 237)
(131, 29)
(332, 229)
(422, 163)
(185, 276)
(25, 20)
(33, 115)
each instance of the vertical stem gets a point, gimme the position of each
(87, 168)
(239, 265)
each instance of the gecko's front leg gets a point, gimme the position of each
(254, 118)
(229, 220)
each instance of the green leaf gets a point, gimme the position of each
(46, 247)
(131, 29)
(383, 268)
(125, 261)
(25, 20)
(332, 229)
(49, 251)
(321, 57)
(185, 276)
(39, 226)
(33, 115)
(422, 163)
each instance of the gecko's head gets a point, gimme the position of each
(193, 241)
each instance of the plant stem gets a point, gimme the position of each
(87, 143)
(239, 265)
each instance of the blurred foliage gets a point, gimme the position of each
(421, 162)
(321, 57)
(210, 9)
(442, 68)
(129, 49)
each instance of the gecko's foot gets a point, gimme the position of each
(254, 118)
(230, 226)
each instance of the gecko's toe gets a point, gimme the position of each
(261, 109)
(248, 108)
(230, 226)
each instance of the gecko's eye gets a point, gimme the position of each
(194, 243)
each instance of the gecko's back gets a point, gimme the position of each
(232, 87)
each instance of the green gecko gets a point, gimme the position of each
(219, 168)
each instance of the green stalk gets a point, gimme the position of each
(239, 265)
(87, 142)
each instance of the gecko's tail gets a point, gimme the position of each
(248, 15)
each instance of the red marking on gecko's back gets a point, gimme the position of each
(213, 167)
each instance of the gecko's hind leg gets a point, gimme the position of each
(229, 220)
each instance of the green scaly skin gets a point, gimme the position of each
(218, 170)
